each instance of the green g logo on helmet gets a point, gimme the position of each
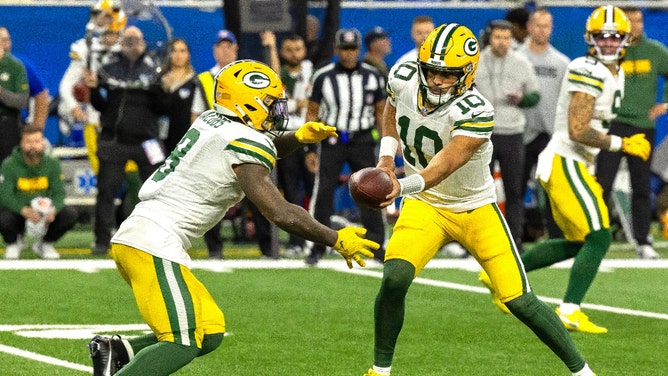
(471, 47)
(256, 80)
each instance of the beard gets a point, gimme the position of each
(33, 157)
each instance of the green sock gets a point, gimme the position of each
(585, 265)
(549, 252)
(210, 342)
(542, 320)
(138, 343)
(162, 358)
(389, 309)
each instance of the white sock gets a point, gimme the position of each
(568, 308)
(586, 371)
(385, 371)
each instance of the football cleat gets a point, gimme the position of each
(371, 372)
(579, 322)
(108, 354)
(484, 278)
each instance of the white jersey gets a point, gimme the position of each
(78, 62)
(195, 187)
(423, 134)
(586, 74)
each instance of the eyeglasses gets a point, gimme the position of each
(131, 41)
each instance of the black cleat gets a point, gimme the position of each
(108, 354)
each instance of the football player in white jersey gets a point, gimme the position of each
(103, 31)
(443, 125)
(227, 153)
(590, 95)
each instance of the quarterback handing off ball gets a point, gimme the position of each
(369, 187)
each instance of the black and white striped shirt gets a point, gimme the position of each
(347, 97)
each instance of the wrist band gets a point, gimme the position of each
(411, 184)
(615, 143)
(388, 147)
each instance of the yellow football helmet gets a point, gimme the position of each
(607, 33)
(252, 92)
(116, 17)
(451, 49)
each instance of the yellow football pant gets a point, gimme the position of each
(176, 305)
(576, 199)
(421, 230)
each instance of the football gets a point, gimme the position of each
(81, 92)
(369, 187)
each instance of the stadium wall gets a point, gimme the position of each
(44, 33)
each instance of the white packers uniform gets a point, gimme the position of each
(184, 198)
(79, 55)
(78, 63)
(564, 166)
(463, 206)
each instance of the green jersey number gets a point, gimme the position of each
(422, 134)
(419, 138)
(174, 158)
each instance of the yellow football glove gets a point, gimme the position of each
(312, 132)
(637, 145)
(350, 245)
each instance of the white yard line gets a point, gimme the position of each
(484, 290)
(91, 266)
(44, 359)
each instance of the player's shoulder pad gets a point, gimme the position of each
(78, 50)
(588, 73)
(401, 75)
(472, 111)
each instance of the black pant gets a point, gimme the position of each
(509, 151)
(11, 136)
(13, 224)
(607, 164)
(296, 182)
(359, 153)
(113, 156)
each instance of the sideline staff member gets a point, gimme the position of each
(349, 95)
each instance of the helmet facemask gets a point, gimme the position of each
(605, 51)
(277, 117)
(437, 96)
(607, 32)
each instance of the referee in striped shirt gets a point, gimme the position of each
(349, 95)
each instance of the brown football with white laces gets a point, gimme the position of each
(370, 186)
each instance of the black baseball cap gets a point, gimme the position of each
(375, 33)
(347, 38)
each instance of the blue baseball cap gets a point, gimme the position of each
(225, 35)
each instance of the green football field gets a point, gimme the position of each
(287, 319)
